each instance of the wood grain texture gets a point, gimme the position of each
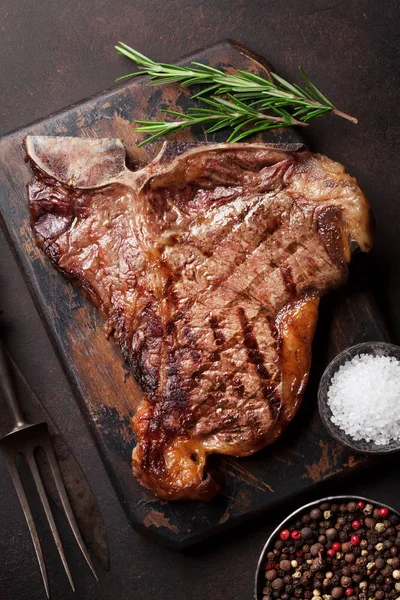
(108, 395)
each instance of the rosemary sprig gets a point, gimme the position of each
(222, 113)
(249, 96)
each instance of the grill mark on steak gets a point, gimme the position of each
(218, 335)
(288, 279)
(202, 263)
(253, 351)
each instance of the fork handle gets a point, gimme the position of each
(7, 389)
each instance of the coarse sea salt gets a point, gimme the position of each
(364, 397)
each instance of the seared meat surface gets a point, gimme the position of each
(208, 265)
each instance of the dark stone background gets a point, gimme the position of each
(57, 53)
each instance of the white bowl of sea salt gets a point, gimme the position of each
(359, 397)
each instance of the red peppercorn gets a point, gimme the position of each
(361, 505)
(383, 512)
(331, 552)
(269, 566)
(336, 546)
(296, 535)
(356, 525)
(299, 553)
(355, 540)
(349, 592)
(285, 534)
(388, 580)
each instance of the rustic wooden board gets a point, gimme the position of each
(108, 395)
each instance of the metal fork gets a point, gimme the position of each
(24, 438)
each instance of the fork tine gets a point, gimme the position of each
(12, 468)
(45, 503)
(47, 447)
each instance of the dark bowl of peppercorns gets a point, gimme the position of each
(336, 548)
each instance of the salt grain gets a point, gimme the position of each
(364, 397)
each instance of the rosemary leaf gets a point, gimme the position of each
(245, 102)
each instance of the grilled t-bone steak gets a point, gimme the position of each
(208, 265)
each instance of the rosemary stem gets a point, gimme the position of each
(344, 115)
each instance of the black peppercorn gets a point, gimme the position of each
(343, 537)
(285, 554)
(373, 539)
(331, 533)
(337, 593)
(325, 506)
(306, 533)
(288, 589)
(349, 558)
(345, 581)
(352, 507)
(277, 584)
(353, 569)
(317, 584)
(380, 563)
(316, 514)
(305, 519)
(316, 549)
(369, 522)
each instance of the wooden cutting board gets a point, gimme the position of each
(107, 394)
